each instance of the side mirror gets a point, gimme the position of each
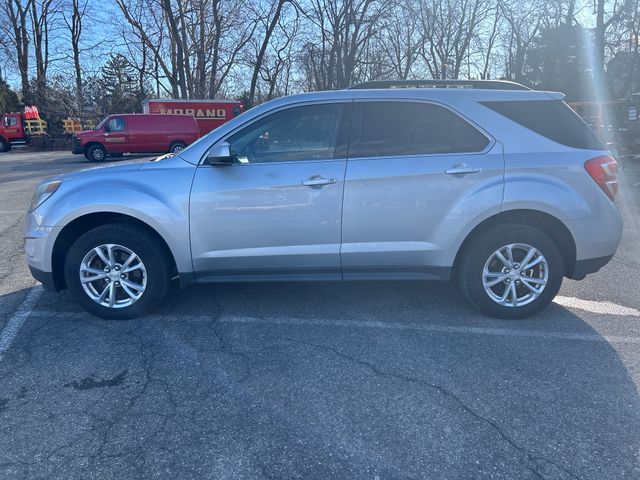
(107, 128)
(220, 154)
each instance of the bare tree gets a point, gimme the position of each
(448, 28)
(605, 18)
(522, 25)
(270, 19)
(400, 41)
(74, 25)
(16, 30)
(41, 13)
(345, 29)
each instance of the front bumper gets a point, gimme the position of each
(38, 244)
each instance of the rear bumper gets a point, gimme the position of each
(591, 265)
(45, 278)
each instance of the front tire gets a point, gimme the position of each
(511, 271)
(96, 153)
(117, 271)
(176, 147)
(4, 146)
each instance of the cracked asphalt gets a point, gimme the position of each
(317, 380)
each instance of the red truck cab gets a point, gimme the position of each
(12, 132)
(136, 133)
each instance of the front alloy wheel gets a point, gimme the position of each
(113, 276)
(118, 271)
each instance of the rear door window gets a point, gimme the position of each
(383, 129)
(553, 119)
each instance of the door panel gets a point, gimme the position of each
(117, 139)
(260, 220)
(276, 212)
(403, 214)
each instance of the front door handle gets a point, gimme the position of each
(461, 169)
(317, 181)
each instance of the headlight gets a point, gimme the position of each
(44, 191)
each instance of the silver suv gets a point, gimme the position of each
(499, 187)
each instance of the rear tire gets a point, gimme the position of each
(96, 153)
(486, 272)
(177, 146)
(104, 284)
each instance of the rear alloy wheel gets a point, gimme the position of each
(96, 153)
(511, 271)
(515, 275)
(117, 271)
(177, 147)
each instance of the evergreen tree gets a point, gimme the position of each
(8, 98)
(559, 60)
(119, 88)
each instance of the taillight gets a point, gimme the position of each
(604, 171)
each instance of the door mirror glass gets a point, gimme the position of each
(220, 154)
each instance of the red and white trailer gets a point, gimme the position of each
(209, 114)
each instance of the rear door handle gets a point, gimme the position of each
(461, 169)
(317, 181)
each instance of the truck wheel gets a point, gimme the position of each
(117, 271)
(4, 146)
(96, 153)
(177, 146)
(511, 271)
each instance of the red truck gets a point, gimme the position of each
(209, 114)
(12, 131)
(136, 133)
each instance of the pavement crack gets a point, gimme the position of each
(532, 461)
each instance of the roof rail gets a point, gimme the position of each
(476, 84)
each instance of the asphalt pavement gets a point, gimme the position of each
(363, 380)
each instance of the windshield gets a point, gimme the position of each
(102, 122)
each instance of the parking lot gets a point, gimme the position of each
(371, 380)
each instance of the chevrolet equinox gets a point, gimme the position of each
(503, 189)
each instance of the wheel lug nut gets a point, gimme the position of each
(122, 275)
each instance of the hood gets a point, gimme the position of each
(84, 133)
(106, 169)
(123, 167)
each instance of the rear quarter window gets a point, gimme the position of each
(553, 119)
(387, 129)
